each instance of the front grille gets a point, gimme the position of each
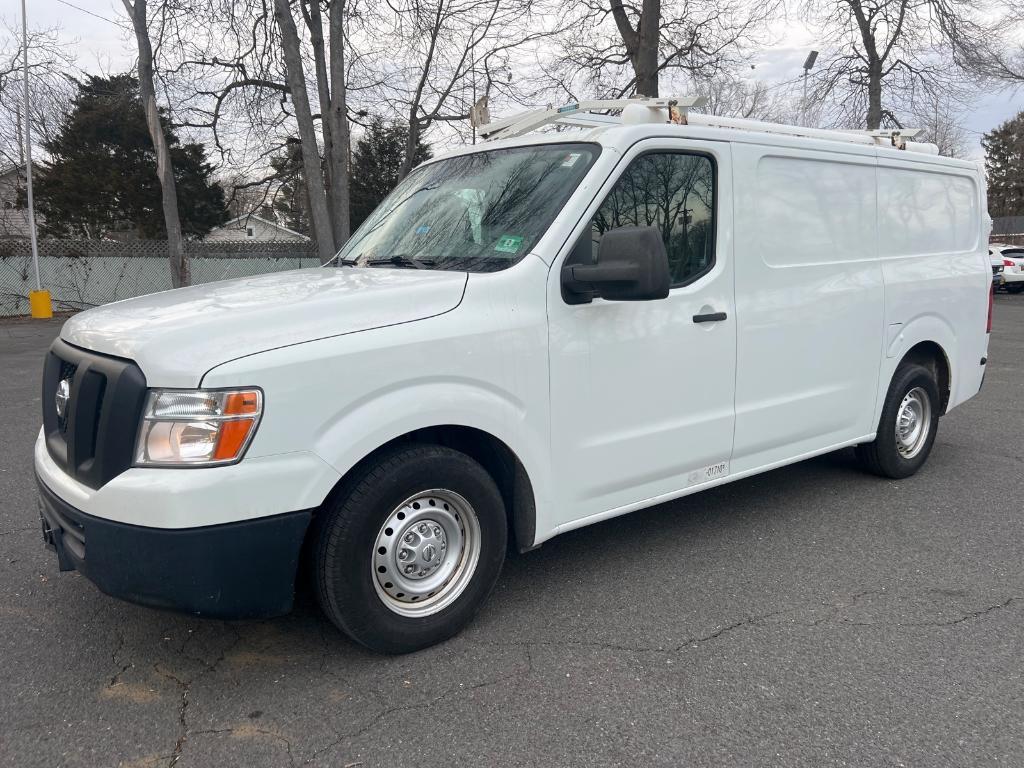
(94, 438)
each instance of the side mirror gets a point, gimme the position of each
(632, 265)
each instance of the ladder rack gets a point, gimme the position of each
(579, 114)
(569, 114)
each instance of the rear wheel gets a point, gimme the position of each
(908, 425)
(410, 549)
(1015, 287)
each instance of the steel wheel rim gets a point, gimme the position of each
(426, 553)
(913, 422)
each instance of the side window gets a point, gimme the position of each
(674, 192)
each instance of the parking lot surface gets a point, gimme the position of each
(811, 616)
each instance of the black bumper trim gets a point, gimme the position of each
(245, 569)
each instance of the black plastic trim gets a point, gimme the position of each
(95, 441)
(245, 569)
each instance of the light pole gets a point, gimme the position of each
(38, 300)
(808, 63)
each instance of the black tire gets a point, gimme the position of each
(346, 533)
(882, 456)
(1015, 287)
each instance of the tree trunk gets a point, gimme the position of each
(412, 140)
(645, 59)
(325, 91)
(179, 262)
(874, 117)
(318, 210)
(338, 119)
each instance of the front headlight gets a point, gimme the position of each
(197, 427)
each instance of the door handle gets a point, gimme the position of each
(712, 317)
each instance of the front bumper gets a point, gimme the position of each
(243, 569)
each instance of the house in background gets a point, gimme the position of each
(256, 229)
(13, 218)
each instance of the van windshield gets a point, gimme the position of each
(480, 212)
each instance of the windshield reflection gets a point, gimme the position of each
(479, 212)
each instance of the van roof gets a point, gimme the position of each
(620, 137)
(674, 117)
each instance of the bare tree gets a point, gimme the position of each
(731, 96)
(449, 53)
(180, 267)
(619, 48)
(51, 84)
(323, 232)
(264, 74)
(940, 119)
(884, 53)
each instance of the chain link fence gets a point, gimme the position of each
(86, 273)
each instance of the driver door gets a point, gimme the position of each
(642, 392)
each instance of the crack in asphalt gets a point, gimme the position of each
(696, 641)
(116, 679)
(185, 686)
(952, 622)
(388, 711)
(252, 729)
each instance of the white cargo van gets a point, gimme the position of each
(528, 336)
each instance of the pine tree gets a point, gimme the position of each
(101, 174)
(290, 201)
(1004, 163)
(377, 163)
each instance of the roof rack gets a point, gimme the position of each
(677, 111)
(570, 114)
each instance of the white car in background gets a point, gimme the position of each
(1007, 266)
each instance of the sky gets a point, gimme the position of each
(103, 46)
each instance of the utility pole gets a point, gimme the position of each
(39, 300)
(808, 63)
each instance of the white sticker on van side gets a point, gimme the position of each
(706, 474)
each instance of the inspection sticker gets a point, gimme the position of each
(570, 159)
(509, 244)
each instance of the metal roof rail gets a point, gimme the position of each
(677, 111)
(570, 114)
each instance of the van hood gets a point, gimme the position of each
(177, 336)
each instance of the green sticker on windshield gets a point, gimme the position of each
(509, 244)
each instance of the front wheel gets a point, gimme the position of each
(410, 549)
(907, 427)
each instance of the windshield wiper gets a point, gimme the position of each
(401, 260)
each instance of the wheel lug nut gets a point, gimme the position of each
(437, 532)
(410, 538)
(410, 568)
(422, 529)
(404, 554)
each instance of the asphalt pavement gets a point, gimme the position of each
(810, 616)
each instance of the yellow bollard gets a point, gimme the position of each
(39, 304)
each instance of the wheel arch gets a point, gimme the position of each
(492, 453)
(931, 355)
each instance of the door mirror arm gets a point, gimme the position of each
(585, 280)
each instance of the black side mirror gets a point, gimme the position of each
(632, 265)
